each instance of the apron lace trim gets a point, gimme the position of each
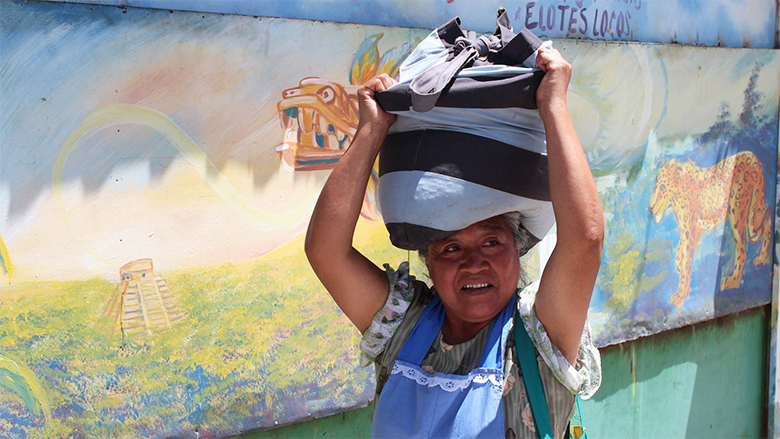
(448, 383)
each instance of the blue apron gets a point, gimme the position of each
(416, 404)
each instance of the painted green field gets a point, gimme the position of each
(262, 343)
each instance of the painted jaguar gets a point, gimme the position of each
(704, 198)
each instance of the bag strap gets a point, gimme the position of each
(578, 431)
(526, 354)
(503, 47)
(427, 87)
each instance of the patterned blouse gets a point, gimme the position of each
(561, 381)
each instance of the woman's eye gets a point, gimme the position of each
(491, 242)
(451, 248)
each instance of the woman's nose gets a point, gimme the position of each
(473, 261)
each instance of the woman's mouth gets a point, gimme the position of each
(476, 288)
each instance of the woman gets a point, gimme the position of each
(475, 274)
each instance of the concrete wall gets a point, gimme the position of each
(704, 380)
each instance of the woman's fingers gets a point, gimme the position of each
(386, 81)
(554, 85)
(370, 111)
(550, 59)
(541, 62)
(378, 83)
(367, 89)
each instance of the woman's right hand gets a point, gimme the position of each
(370, 111)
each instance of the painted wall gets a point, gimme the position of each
(774, 379)
(159, 168)
(154, 283)
(705, 380)
(730, 23)
(678, 249)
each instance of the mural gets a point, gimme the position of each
(730, 23)
(688, 225)
(320, 117)
(158, 285)
(158, 173)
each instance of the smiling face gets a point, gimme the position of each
(475, 271)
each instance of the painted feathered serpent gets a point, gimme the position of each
(320, 117)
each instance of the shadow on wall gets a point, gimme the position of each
(704, 380)
(231, 123)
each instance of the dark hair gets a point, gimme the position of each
(519, 233)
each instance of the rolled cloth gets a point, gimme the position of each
(468, 143)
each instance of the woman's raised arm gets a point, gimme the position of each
(570, 274)
(358, 286)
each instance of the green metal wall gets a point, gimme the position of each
(705, 380)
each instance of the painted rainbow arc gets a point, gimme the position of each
(134, 114)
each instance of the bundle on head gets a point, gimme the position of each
(468, 143)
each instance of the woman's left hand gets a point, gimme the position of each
(551, 93)
(570, 274)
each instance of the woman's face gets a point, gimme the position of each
(475, 270)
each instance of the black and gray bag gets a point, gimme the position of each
(468, 143)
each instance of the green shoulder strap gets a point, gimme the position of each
(533, 381)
